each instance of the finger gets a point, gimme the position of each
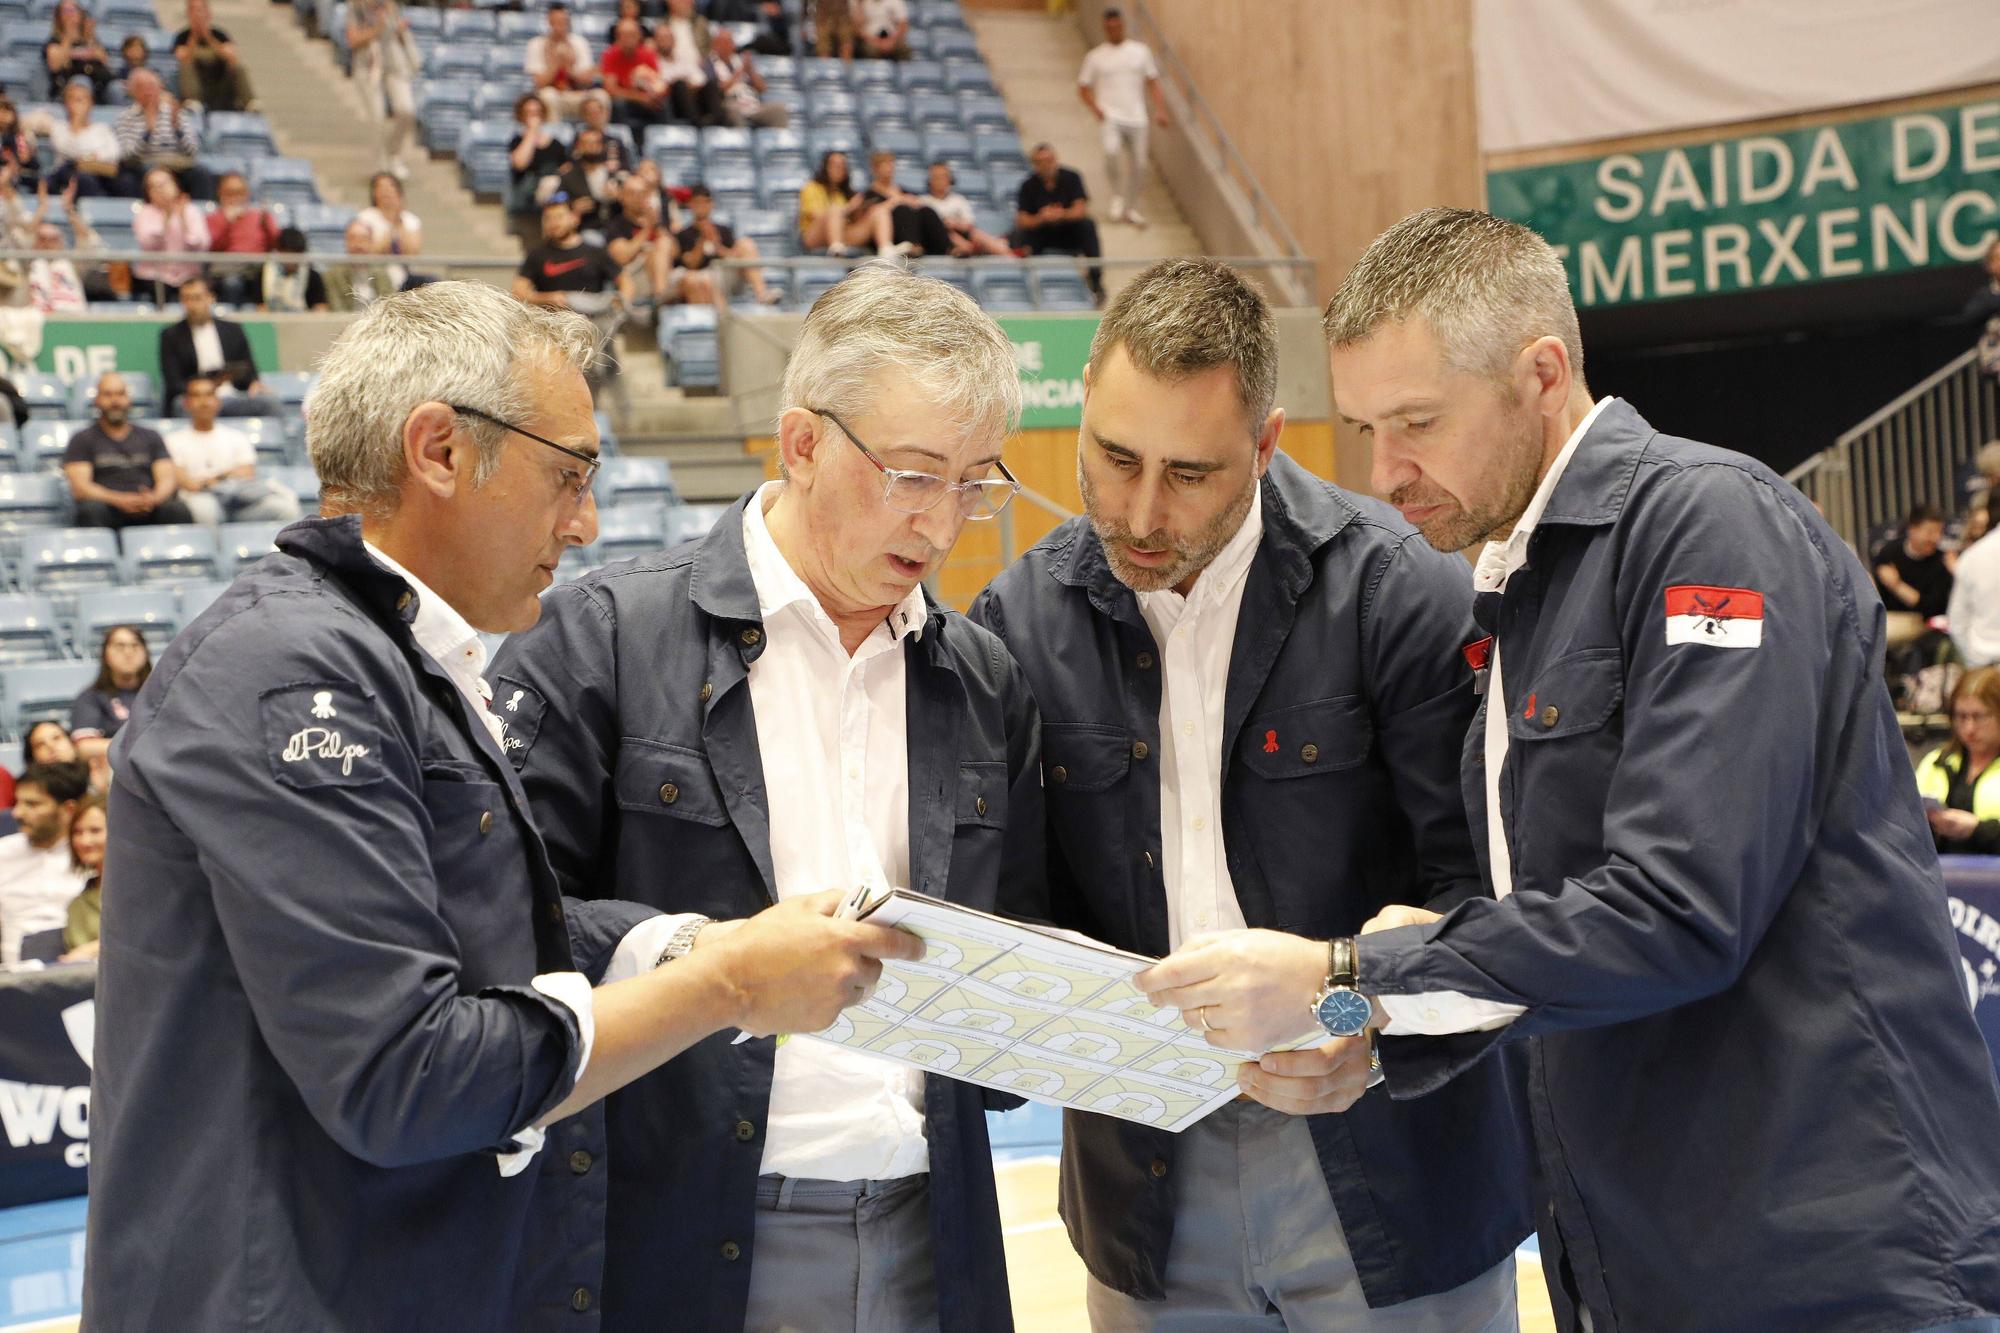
(1310, 1062)
(1391, 917)
(888, 942)
(1187, 997)
(1300, 1096)
(1186, 966)
(823, 903)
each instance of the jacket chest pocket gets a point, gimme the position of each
(1083, 759)
(481, 867)
(658, 779)
(982, 793)
(1564, 735)
(1307, 740)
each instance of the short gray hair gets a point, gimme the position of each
(883, 319)
(1485, 286)
(1185, 316)
(444, 342)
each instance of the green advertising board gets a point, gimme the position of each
(1050, 351)
(85, 348)
(1890, 194)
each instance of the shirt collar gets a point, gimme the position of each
(439, 630)
(1225, 574)
(1499, 559)
(779, 587)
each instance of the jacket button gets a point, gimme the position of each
(669, 793)
(579, 1162)
(403, 602)
(1159, 1168)
(554, 913)
(707, 691)
(1059, 774)
(731, 1251)
(979, 805)
(1139, 750)
(1149, 859)
(1549, 715)
(485, 821)
(579, 1300)
(1309, 752)
(1145, 661)
(751, 637)
(745, 1131)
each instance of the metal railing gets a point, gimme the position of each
(1907, 453)
(431, 265)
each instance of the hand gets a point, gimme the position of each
(132, 502)
(1248, 990)
(81, 953)
(1957, 825)
(1908, 596)
(1313, 1080)
(1391, 917)
(69, 195)
(794, 968)
(1160, 119)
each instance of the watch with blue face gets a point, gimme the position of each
(1341, 1009)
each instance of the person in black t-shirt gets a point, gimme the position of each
(532, 153)
(637, 237)
(704, 239)
(564, 271)
(587, 178)
(1912, 572)
(121, 474)
(211, 71)
(1052, 214)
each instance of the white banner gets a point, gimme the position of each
(1572, 71)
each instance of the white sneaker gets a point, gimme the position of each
(399, 169)
(1136, 218)
(835, 250)
(1117, 209)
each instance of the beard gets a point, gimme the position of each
(1456, 525)
(1192, 554)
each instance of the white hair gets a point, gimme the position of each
(459, 343)
(883, 321)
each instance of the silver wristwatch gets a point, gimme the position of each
(683, 940)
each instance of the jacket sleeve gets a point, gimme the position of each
(173, 368)
(1416, 621)
(1700, 852)
(319, 860)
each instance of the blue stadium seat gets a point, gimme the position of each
(914, 74)
(62, 560)
(43, 692)
(778, 187)
(862, 74)
(822, 71)
(949, 145)
(685, 522)
(466, 24)
(156, 613)
(242, 132)
(966, 76)
(302, 482)
(947, 43)
(286, 180)
(1060, 289)
(986, 108)
(778, 70)
(170, 553)
(627, 530)
(935, 111)
(30, 501)
(724, 145)
(443, 107)
(784, 141)
(244, 544)
(906, 144)
(1000, 289)
(30, 630)
(827, 139)
(288, 386)
(519, 28)
(812, 280)
(731, 178)
(641, 481)
(42, 445)
(46, 395)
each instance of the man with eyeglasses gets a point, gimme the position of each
(351, 1037)
(777, 709)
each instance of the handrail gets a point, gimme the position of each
(1910, 395)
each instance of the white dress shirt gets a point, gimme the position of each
(833, 737)
(1439, 1013)
(1118, 76)
(1974, 611)
(206, 455)
(37, 885)
(1195, 635)
(207, 346)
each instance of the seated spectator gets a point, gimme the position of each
(237, 227)
(683, 42)
(1912, 571)
(217, 467)
(533, 154)
(774, 26)
(119, 473)
(1052, 213)
(287, 282)
(956, 212)
(123, 663)
(903, 224)
(392, 228)
(642, 12)
(38, 879)
(1957, 781)
(87, 831)
(742, 86)
(212, 73)
(559, 63)
(833, 29)
(73, 51)
(566, 271)
(167, 221)
(1973, 610)
(87, 152)
(631, 67)
(881, 29)
(638, 237)
(17, 146)
(1983, 309)
(586, 180)
(353, 285)
(648, 170)
(386, 64)
(133, 55)
(705, 240)
(201, 344)
(597, 116)
(54, 285)
(824, 201)
(154, 132)
(49, 742)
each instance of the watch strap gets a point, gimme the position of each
(682, 940)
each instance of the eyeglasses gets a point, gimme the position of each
(918, 492)
(590, 463)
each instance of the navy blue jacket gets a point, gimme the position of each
(1759, 1098)
(1348, 653)
(638, 746)
(314, 1022)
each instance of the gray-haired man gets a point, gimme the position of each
(776, 709)
(335, 910)
(1253, 695)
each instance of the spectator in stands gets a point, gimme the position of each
(217, 467)
(120, 474)
(87, 829)
(648, 170)
(287, 282)
(742, 86)
(201, 344)
(566, 271)
(532, 154)
(586, 180)
(212, 74)
(73, 51)
(167, 221)
(17, 146)
(705, 240)
(956, 213)
(639, 11)
(559, 63)
(638, 237)
(774, 26)
(1052, 213)
(156, 133)
(901, 222)
(123, 663)
(392, 228)
(53, 285)
(87, 151)
(683, 42)
(1983, 308)
(1913, 571)
(833, 29)
(1973, 610)
(237, 227)
(352, 285)
(824, 203)
(48, 742)
(133, 55)
(1118, 82)
(37, 878)
(1958, 781)
(881, 29)
(632, 77)
(386, 64)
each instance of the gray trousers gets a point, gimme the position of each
(1257, 1245)
(842, 1256)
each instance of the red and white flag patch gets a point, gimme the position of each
(1717, 617)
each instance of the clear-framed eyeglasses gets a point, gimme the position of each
(919, 492)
